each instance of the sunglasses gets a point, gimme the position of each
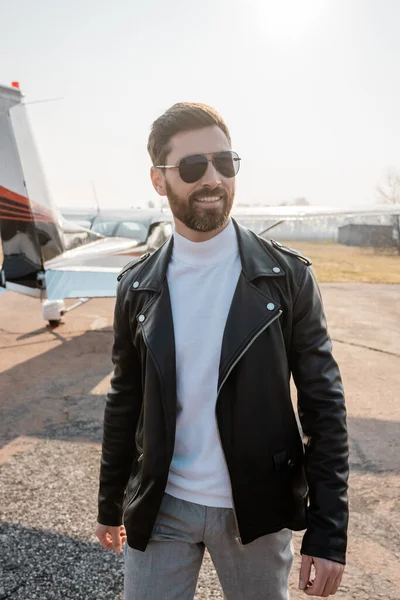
(193, 167)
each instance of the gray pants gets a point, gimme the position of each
(169, 568)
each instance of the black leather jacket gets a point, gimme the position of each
(276, 327)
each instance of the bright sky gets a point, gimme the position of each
(310, 90)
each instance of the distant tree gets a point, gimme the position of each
(389, 193)
(301, 202)
(296, 202)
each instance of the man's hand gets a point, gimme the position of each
(111, 537)
(328, 576)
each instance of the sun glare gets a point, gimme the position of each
(288, 21)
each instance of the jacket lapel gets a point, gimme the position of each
(252, 309)
(250, 313)
(156, 324)
(158, 335)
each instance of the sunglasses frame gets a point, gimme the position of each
(236, 158)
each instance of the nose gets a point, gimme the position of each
(211, 177)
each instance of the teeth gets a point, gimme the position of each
(209, 199)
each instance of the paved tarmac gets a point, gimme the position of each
(52, 388)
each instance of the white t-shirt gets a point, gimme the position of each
(202, 278)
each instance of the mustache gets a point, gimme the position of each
(207, 193)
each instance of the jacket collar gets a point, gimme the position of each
(256, 259)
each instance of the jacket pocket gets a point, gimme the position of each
(290, 472)
(131, 500)
(133, 487)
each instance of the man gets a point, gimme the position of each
(201, 445)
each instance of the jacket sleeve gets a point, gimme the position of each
(322, 415)
(122, 411)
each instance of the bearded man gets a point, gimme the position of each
(201, 447)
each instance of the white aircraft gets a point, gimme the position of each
(53, 259)
(45, 255)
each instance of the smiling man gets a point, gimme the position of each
(201, 446)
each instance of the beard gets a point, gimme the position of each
(196, 216)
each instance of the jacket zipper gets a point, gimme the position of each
(238, 538)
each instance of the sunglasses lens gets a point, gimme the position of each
(192, 168)
(227, 163)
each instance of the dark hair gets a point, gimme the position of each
(182, 116)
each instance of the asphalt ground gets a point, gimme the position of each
(52, 394)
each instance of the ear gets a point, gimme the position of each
(158, 181)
